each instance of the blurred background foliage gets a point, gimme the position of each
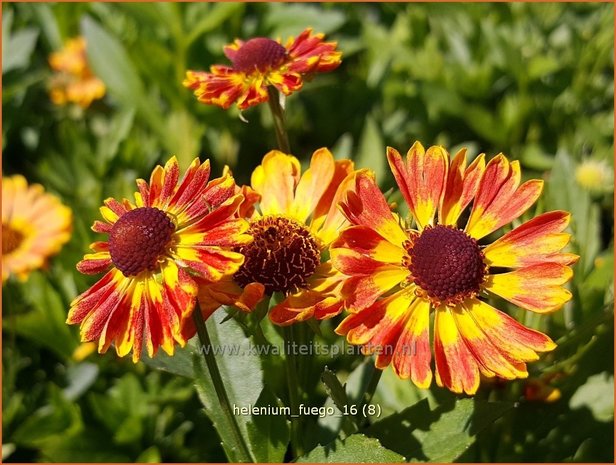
(532, 80)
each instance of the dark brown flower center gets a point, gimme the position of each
(11, 239)
(446, 264)
(282, 256)
(139, 238)
(260, 54)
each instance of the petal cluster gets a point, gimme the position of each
(150, 303)
(390, 310)
(35, 226)
(73, 80)
(259, 63)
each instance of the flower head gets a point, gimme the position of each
(595, 176)
(74, 81)
(295, 222)
(35, 225)
(172, 234)
(399, 272)
(260, 62)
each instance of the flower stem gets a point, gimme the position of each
(293, 385)
(219, 386)
(278, 116)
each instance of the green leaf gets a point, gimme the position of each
(80, 378)
(242, 377)
(215, 16)
(269, 434)
(439, 435)
(17, 51)
(45, 323)
(334, 388)
(59, 418)
(355, 448)
(150, 455)
(597, 394)
(111, 63)
(371, 151)
(287, 20)
(180, 363)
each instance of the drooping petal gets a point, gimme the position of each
(535, 287)
(517, 342)
(456, 367)
(313, 184)
(275, 180)
(421, 179)
(222, 86)
(365, 205)
(94, 263)
(499, 199)
(537, 241)
(461, 188)
(378, 327)
(210, 263)
(491, 359)
(227, 292)
(286, 82)
(412, 353)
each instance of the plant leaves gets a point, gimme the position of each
(242, 377)
(269, 434)
(355, 448)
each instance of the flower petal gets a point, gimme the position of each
(412, 353)
(515, 341)
(535, 287)
(308, 53)
(499, 199)
(536, 241)
(491, 359)
(456, 368)
(275, 180)
(313, 184)
(365, 205)
(222, 87)
(227, 292)
(461, 188)
(94, 263)
(421, 180)
(378, 327)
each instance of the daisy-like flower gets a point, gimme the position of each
(398, 275)
(35, 225)
(157, 246)
(259, 63)
(74, 81)
(296, 220)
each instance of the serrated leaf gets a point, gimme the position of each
(355, 448)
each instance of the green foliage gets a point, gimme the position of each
(532, 80)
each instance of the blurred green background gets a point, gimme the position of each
(534, 81)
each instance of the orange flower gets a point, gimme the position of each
(398, 274)
(296, 220)
(259, 63)
(35, 225)
(157, 245)
(74, 81)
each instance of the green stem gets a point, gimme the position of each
(293, 385)
(278, 116)
(221, 393)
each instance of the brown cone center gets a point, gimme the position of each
(139, 238)
(11, 239)
(282, 256)
(446, 264)
(258, 54)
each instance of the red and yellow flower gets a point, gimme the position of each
(172, 234)
(261, 62)
(35, 225)
(295, 221)
(74, 81)
(398, 274)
